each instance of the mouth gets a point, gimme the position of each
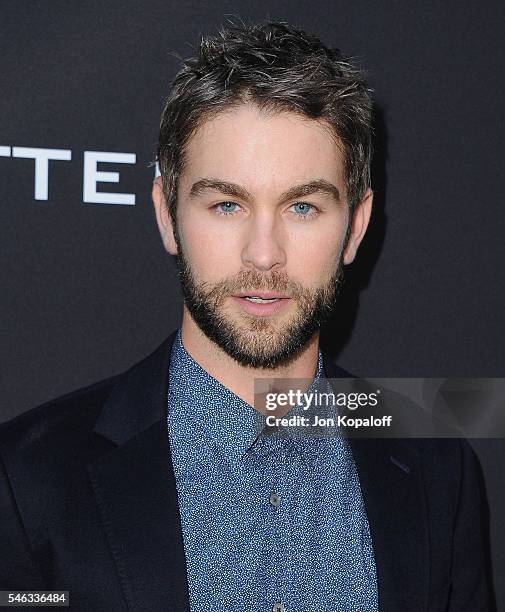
(261, 303)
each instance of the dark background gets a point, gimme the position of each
(87, 289)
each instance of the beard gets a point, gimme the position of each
(254, 341)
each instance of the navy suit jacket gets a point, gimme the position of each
(88, 504)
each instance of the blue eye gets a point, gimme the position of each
(303, 208)
(226, 208)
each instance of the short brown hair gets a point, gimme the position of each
(279, 68)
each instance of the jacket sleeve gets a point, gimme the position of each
(469, 591)
(17, 568)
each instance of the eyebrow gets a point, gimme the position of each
(236, 191)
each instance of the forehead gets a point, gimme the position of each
(263, 150)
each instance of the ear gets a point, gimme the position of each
(163, 217)
(359, 224)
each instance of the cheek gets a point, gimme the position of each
(212, 252)
(316, 256)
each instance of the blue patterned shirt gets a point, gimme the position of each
(269, 523)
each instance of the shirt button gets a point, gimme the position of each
(279, 607)
(275, 500)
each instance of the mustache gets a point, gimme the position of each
(250, 280)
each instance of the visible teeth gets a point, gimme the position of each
(258, 300)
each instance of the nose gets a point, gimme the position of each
(263, 249)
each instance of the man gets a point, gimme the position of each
(151, 490)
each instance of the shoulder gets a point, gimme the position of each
(71, 418)
(450, 453)
(451, 472)
(47, 446)
(442, 459)
(61, 417)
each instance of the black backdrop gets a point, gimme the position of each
(87, 289)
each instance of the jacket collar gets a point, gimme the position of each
(138, 399)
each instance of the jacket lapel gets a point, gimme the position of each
(135, 489)
(391, 481)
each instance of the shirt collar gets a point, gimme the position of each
(230, 422)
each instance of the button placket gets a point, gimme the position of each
(279, 524)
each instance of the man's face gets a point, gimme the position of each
(261, 222)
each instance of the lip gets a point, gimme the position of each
(261, 310)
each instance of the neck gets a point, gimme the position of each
(236, 377)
